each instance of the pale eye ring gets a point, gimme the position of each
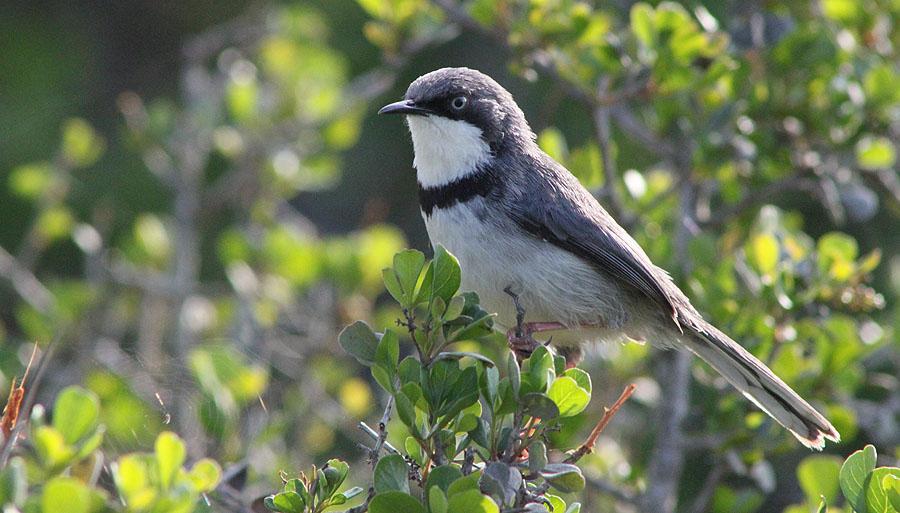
(459, 103)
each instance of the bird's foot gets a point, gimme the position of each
(520, 339)
(522, 345)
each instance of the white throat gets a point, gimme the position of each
(445, 149)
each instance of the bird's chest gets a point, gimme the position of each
(467, 231)
(495, 255)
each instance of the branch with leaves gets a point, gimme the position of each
(477, 433)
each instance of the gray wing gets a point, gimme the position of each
(560, 211)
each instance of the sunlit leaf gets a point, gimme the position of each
(170, 455)
(75, 413)
(854, 477)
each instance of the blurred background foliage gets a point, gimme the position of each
(196, 196)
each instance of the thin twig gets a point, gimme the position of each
(608, 413)
(380, 435)
(615, 491)
(365, 428)
(26, 284)
(704, 496)
(382, 429)
(30, 396)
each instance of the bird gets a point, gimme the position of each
(531, 239)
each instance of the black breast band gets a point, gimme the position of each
(461, 190)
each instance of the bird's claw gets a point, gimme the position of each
(521, 343)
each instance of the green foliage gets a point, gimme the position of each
(62, 474)
(159, 482)
(460, 413)
(866, 489)
(74, 433)
(315, 492)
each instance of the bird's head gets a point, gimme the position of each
(458, 118)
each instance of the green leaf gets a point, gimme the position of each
(447, 275)
(540, 369)
(388, 352)
(854, 477)
(877, 500)
(464, 484)
(818, 476)
(394, 502)
(437, 500)
(321, 488)
(490, 385)
(557, 505)
(414, 450)
(387, 355)
(410, 370)
(205, 475)
(31, 180)
(360, 341)
(454, 308)
(392, 284)
(133, 480)
(91, 443)
(891, 485)
(539, 405)
(443, 477)
(335, 472)
(456, 355)
(501, 481)
(537, 456)
(564, 477)
(762, 251)
(463, 393)
(408, 265)
(65, 494)
(875, 153)
(75, 413)
(570, 398)
(514, 374)
(289, 502)
(81, 145)
(581, 377)
(52, 449)
(391, 474)
(642, 23)
(480, 327)
(170, 454)
(55, 222)
(471, 501)
(406, 409)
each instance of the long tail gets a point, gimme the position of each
(762, 386)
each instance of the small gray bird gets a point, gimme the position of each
(522, 225)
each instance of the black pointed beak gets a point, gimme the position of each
(404, 107)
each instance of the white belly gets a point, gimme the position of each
(552, 284)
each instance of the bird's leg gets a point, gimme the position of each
(520, 337)
(521, 341)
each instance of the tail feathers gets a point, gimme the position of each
(763, 387)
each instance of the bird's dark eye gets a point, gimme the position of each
(459, 102)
